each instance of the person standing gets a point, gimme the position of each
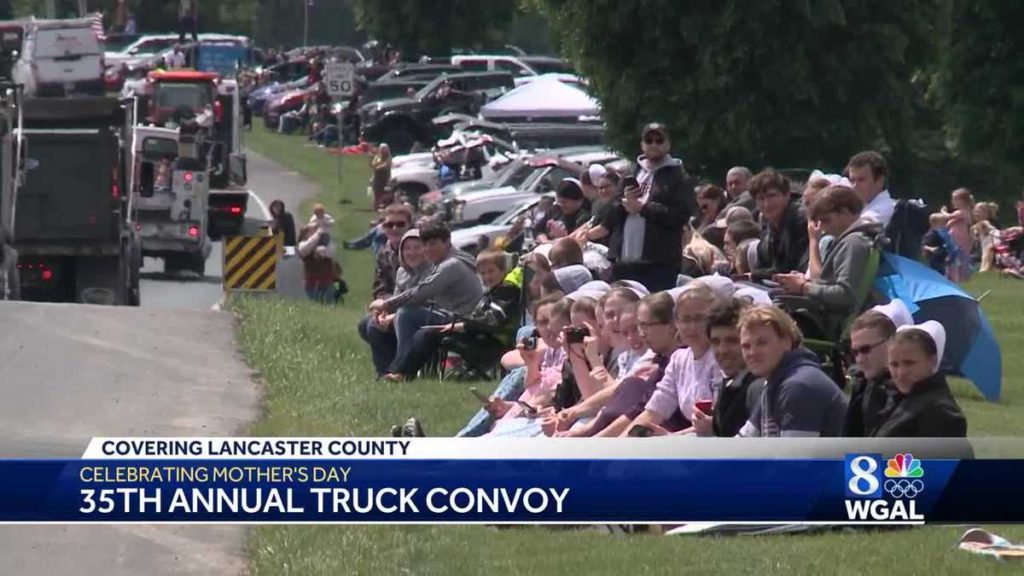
(381, 165)
(282, 222)
(646, 229)
(188, 20)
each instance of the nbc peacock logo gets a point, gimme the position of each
(903, 475)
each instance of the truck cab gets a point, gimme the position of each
(172, 196)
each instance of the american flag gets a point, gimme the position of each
(96, 23)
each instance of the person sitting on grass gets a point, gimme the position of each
(923, 406)
(691, 369)
(543, 357)
(738, 391)
(490, 326)
(872, 388)
(799, 400)
(378, 329)
(628, 398)
(451, 288)
(613, 306)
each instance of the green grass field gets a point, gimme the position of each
(319, 381)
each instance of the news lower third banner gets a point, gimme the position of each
(561, 481)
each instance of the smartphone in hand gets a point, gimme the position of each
(705, 406)
(479, 396)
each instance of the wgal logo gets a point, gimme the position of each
(865, 486)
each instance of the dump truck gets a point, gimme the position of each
(69, 208)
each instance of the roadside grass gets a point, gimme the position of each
(319, 382)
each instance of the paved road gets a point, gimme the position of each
(268, 181)
(69, 372)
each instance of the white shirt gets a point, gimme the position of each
(880, 209)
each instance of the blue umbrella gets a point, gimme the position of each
(971, 347)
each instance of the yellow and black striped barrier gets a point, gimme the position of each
(250, 262)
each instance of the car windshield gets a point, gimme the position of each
(175, 95)
(426, 90)
(510, 215)
(515, 174)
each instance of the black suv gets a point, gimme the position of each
(402, 122)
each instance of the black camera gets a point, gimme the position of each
(576, 334)
(530, 342)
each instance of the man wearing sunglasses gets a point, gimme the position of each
(397, 221)
(646, 228)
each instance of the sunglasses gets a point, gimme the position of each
(650, 140)
(866, 349)
(390, 225)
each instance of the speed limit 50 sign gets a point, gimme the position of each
(341, 78)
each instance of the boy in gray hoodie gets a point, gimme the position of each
(452, 286)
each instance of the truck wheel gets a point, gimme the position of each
(101, 280)
(197, 263)
(399, 140)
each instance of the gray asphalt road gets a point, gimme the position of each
(70, 372)
(268, 181)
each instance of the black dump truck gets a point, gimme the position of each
(71, 213)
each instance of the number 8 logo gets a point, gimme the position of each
(864, 481)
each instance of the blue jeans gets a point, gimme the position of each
(408, 321)
(382, 345)
(510, 388)
(321, 294)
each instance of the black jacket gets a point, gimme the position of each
(929, 411)
(784, 249)
(868, 399)
(285, 224)
(736, 401)
(668, 209)
(497, 313)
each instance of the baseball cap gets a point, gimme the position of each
(655, 127)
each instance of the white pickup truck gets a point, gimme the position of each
(483, 206)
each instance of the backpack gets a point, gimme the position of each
(907, 228)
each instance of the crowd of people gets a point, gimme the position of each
(702, 322)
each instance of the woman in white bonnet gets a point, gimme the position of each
(923, 405)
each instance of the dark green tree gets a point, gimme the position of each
(981, 84)
(436, 26)
(793, 83)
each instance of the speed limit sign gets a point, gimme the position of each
(340, 79)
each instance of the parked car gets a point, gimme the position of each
(483, 206)
(475, 238)
(59, 58)
(418, 70)
(518, 66)
(152, 44)
(414, 180)
(402, 122)
(285, 102)
(261, 97)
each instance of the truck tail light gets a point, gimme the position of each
(189, 176)
(193, 231)
(236, 210)
(218, 111)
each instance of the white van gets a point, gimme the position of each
(60, 58)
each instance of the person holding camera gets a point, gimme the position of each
(690, 370)
(646, 227)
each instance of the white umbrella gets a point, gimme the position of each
(543, 98)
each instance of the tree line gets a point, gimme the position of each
(937, 85)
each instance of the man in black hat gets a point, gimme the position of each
(647, 226)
